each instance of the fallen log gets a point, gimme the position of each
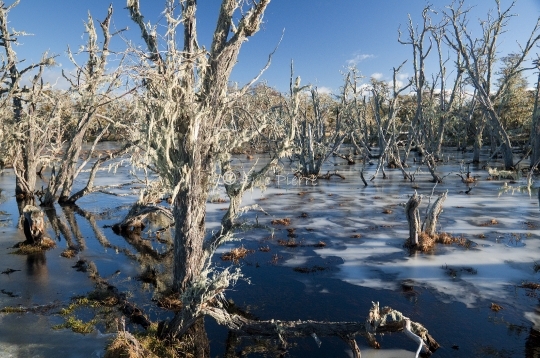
(379, 321)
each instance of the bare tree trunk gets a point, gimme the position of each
(413, 218)
(535, 125)
(189, 215)
(433, 213)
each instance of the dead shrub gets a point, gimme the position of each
(291, 232)
(284, 222)
(464, 242)
(25, 248)
(455, 272)
(530, 285)
(125, 345)
(288, 243)
(170, 302)
(490, 223)
(275, 259)
(236, 254)
(68, 253)
(445, 238)
(495, 307)
(264, 248)
(218, 200)
(427, 242)
(320, 244)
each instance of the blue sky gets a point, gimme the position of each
(322, 37)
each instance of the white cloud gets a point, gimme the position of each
(403, 76)
(399, 84)
(365, 88)
(376, 76)
(54, 77)
(359, 57)
(324, 90)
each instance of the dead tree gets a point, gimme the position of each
(93, 87)
(353, 110)
(420, 53)
(535, 123)
(186, 103)
(479, 59)
(315, 141)
(385, 119)
(29, 133)
(446, 101)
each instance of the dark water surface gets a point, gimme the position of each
(449, 291)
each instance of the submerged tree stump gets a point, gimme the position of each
(34, 225)
(413, 217)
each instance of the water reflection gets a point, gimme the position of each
(36, 267)
(532, 344)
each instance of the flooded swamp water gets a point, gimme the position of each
(343, 249)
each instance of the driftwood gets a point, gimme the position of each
(413, 218)
(379, 321)
(34, 225)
